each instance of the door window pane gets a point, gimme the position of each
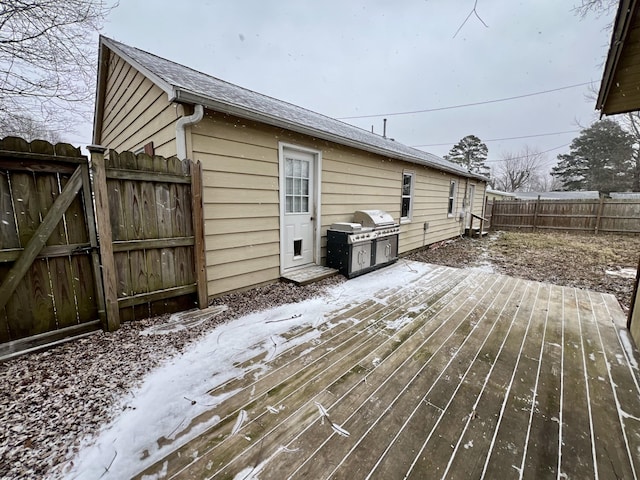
(296, 185)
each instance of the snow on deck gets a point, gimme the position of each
(413, 371)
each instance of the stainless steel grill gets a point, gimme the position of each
(367, 243)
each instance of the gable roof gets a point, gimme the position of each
(620, 88)
(185, 85)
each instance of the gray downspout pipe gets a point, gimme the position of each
(181, 130)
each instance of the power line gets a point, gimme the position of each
(391, 114)
(532, 153)
(500, 139)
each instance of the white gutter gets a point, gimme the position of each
(181, 132)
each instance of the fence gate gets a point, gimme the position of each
(65, 270)
(156, 234)
(50, 287)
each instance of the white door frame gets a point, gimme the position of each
(470, 198)
(317, 214)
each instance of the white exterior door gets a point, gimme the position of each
(298, 196)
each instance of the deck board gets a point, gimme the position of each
(460, 374)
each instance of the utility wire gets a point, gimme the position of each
(451, 107)
(500, 139)
(532, 153)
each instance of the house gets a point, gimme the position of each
(625, 195)
(497, 195)
(620, 87)
(620, 93)
(275, 175)
(585, 195)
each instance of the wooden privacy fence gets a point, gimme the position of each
(49, 281)
(156, 234)
(589, 216)
(67, 269)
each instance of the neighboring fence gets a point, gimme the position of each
(67, 269)
(588, 216)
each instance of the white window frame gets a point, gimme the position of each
(451, 199)
(410, 196)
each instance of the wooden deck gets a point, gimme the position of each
(463, 375)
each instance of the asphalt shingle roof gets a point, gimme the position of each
(178, 80)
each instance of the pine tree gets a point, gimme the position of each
(470, 152)
(600, 158)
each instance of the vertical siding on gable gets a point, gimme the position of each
(136, 111)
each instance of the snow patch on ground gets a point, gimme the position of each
(397, 324)
(184, 320)
(175, 393)
(623, 272)
(628, 347)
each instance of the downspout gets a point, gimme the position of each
(181, 130)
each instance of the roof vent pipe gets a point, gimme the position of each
(384, 128)
(181, 130)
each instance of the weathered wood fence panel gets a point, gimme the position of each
(67, 269)
(591, 216)
(48, 284)
(152, 232)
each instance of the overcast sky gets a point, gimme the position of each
(345, 58)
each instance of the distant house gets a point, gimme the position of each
(586, 195)
(276, 175)
(498, 195)
(625, 195)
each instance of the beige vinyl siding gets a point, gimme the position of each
(241, 201)
(241, 180)
(136, 111)
(241, 197)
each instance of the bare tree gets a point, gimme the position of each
(544, 182)
(27, 128)
(48, 59)
(598, 7)
(519, 171)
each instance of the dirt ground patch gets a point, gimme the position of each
(604, 263)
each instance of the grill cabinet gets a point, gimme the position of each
(369, 243)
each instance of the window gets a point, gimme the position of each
(406, 207)
(452, 199)
(296, 185)
(147, 148)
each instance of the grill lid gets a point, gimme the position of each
(346, 227)
(373, 218)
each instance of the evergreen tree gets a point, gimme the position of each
(470, 152)
(600, 158)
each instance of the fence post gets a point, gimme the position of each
(535, 213)
(199, 252)
(105, 238)
(599, 215)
